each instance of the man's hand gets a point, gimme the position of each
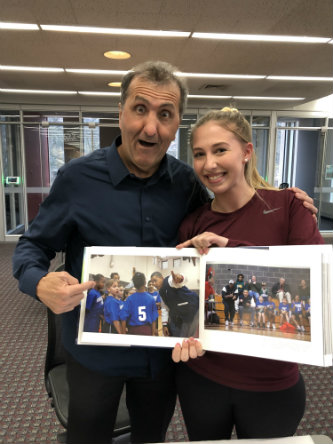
(190, 349)
(177, 278)
(61, 292)
(307, 200)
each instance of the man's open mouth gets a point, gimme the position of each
(146, 144)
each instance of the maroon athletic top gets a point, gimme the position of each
(269, 218)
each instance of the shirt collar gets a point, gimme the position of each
(118, 171)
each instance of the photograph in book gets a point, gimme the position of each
(268, 302)
(141, 296)
(260, 300)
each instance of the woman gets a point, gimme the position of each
(260, 397)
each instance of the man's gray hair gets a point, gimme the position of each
(155, 72)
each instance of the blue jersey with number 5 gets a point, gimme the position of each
(139, 309)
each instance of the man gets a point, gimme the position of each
(134, 180)
(254, 287)
(150, 193)
(281, 289)
(229, 296)
(246, 305)
(182, 305)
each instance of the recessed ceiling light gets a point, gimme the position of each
(117, 55)
(19, 26)
(115, 84)
(260, 37)
(116, 31)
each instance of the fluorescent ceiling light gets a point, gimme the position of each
(331, 42)
(115, 31)
(218, 76)
(266, 98)
(19, 26)
(98, 93)
(260, 37)
(35, 91)
(305, 78)
(30, 68)
(202, 96)
(96, 71)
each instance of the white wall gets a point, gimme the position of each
(124, 265)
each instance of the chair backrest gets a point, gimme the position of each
(57, 387)
(55, 354)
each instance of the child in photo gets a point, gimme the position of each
(296, 314)
(139, 312)
(94, 305)
(284, 310)
(260, 311)
(112, 307)
(270, 311)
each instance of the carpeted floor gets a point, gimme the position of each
(25, 412)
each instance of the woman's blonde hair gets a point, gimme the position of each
(233, 120)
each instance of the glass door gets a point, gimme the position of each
(304, 158)
(324, 183)
(12, 180)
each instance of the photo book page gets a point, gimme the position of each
(269, 302)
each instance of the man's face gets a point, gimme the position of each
(157, 282)
(148, 120)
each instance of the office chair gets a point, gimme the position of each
(57, 387)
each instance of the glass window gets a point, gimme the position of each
(91, 137)
(189, 119)
(301, 122)
(38, 115)
(100, 117)
(9, 116)
(260, 121)
(260, 139)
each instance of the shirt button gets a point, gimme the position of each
(147, 219)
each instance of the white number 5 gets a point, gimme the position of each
(142, 316)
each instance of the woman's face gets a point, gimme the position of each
(219, 157)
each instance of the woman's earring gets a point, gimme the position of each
(246, 160)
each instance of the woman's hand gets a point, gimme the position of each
(203, 241)
(190, 349)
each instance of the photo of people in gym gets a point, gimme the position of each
(260, 300)
(143, 295)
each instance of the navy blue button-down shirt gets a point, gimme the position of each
(96, 201)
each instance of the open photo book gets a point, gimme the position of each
(269, 302)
